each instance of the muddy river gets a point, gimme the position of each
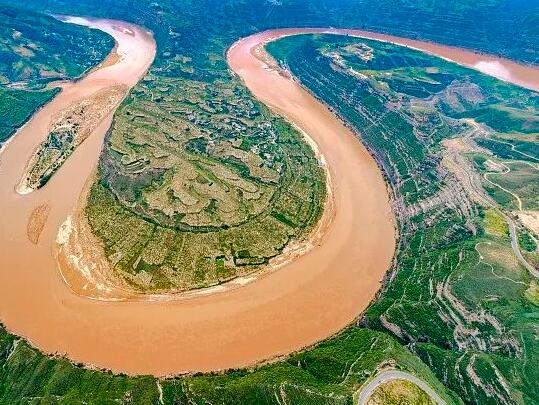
(290, 307)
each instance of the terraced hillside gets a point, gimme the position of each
(36, 49)
(203, 183)
(458, 294)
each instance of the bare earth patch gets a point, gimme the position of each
(81, 259)
(112, 59)
(530, 219)
(36, 222)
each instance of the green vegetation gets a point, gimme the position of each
(458, 297)
(532, 293)
(327, 374)
(36, 49)
(16, 106)
(29, 377)
(399, 392)
(199, 29)
(519, 179)
(52, 152)
(203, 183)
(527, 242)
(495, 223)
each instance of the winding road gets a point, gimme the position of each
(285, 309)
(510, 222)
(390, 375)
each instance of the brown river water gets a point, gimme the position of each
(283, 310)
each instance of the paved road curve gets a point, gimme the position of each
(391, 375)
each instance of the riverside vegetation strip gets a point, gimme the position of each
(242, 385)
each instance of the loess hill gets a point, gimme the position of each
(202, 183)
(460, 150)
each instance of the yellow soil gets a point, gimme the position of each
(530, 219)
(36, 222)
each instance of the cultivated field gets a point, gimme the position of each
(203, 184)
